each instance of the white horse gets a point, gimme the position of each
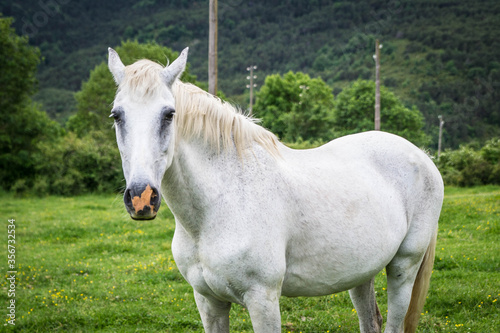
(256, 220)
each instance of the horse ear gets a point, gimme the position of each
(175, 69)
(116, 66)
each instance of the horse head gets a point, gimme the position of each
(144, 113)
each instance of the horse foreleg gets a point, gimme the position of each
(214, 314)
(363, 298)
(264, 309)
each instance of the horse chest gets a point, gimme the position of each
(216, 269)
(187, 258)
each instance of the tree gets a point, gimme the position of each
(93, 100)
(354, 112)
(22, 123)
(296, 107)
(73, 165)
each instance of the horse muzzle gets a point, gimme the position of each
(142, 201)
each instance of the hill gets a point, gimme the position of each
(442, 56)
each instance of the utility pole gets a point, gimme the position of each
(441, 123)
(377, 84)
(212, 48)
(251, 86)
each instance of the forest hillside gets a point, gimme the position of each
(441, 56)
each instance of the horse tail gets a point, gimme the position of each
(420, 288)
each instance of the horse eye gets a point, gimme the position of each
(115, 115)
(168, 114)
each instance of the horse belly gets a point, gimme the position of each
(315, 280)
(329, 269)
(341, 246)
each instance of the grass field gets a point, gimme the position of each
(83, 265)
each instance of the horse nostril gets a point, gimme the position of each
(154, 197)
(127, 198)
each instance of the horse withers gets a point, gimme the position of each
(256, 220)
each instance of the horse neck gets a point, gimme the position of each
(198, 177)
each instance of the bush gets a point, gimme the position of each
(469, 167)
(491, 153)
(75, 165)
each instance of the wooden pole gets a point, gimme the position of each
(441, 123)
(377, 86)
(251, 86)
(212, 48)
(251, 89)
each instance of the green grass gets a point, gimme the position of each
(83, 265)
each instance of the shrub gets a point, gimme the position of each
(76, 165)
(469, 167)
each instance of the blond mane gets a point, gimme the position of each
(198, 113)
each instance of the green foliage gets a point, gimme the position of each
(354, 108)
(22, 124)
(296, 107)
(74, 165)
(491, 151)
(58, 103)
(441, 57)
(93, 101)
(305, 144)
(18, 64)
(467, 166)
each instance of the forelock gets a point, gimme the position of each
(142, 80)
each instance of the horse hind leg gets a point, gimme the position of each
(408, 276)
(363, 298)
